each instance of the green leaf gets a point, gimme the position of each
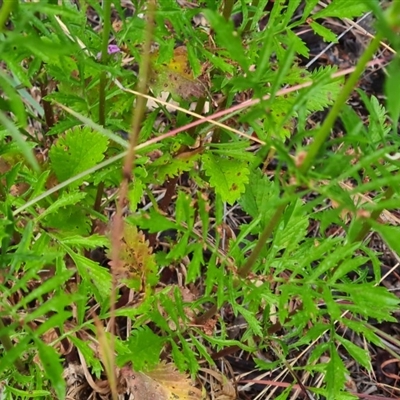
(293, 229)
(342, 9)
(135, 194)
(25, 393)
(66, 199)
(335, 374)
(259, 193)
(15, 101)
(325, 33)
(194, 267)
(98, 277)
(88, 354)
(378, 126)
(254, 324)
(360, 327)
(89, 242)
(228, 177)
(228, 38)
(46, 286)
(153, 221)
(184, 212)
(370, 301)
(77, 151)
(24, 146)
(70, 220)
(357, 353)
(167, 166)
(324, 95)
(145, 348)
(53, 368)
(390, 234)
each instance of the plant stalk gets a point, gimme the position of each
(102, 85)
(266, 233)
(5, 12)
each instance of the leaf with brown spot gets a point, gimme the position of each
(176, 77)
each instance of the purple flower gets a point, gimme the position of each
(113, 48)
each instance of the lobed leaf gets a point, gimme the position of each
(78, 150)
(227, 177)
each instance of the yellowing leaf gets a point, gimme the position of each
(138, 268)
(176, 77)
(162, 383)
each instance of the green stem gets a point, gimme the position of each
(326, 127)
(102, 85)
(104, 58)
(5, 12)
(266, 233)
(198, 110)
(251, 15)
(366, 226)
(8, 345)
(228, 7)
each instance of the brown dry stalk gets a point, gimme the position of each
(117, 229)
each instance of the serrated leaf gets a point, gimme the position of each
(69, 220)
(66, 199)
(357, 353)
(194, 267)
(335, 374)
(227, 176)
(378, 125)
(342, 9)
(253, 322)
(153, 221)
(99, 278)
(135, 194)
(325, 33)
(89, 242)
(88, 354)
(299, 46)
(167, 166)
(370, 301)
(257, 198)
(145, 348)
(324, 96)
(77, 151)
(53, 368)
(138, 268)
(360, 327)
(294, 228)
